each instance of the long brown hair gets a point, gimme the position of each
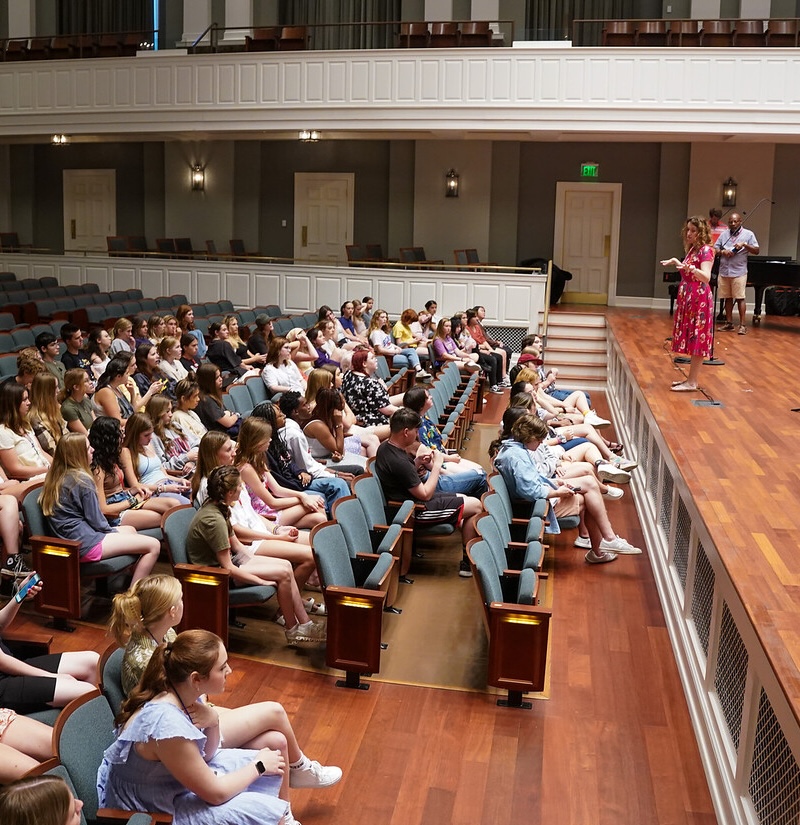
(137, 424)
(207, 381)
(193, 651)
(44, 403)
(70, 463)
(254, 431)
(703, 232)
(210, 445)
(11, 395)
(36, 800)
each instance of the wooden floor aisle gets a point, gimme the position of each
(613, 744)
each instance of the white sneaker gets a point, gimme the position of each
(506, 382)
(610, 472)
(314, 775)
(626, 464)
(496, 389)
(619, 546)
(584, 542)
(306, 635)
(594, 419)
(613, 493)
(421, 374)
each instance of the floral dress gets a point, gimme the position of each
(694, 310)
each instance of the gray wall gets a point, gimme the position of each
(368, 159)
(634, 165)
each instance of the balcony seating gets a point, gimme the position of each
(444, 35)
(413, 35)
(716, 33)
(781, 33)
(293, 38)
(476, 33)
(619, 33)
(749, 33)
(684, 33)
(263, 40)
(651, 33)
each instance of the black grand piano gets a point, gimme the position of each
(768, 270)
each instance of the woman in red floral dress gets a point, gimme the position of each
(694, 310)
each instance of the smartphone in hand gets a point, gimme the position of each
(25, 589)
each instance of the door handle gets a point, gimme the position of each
(72, 229)
(304, 236)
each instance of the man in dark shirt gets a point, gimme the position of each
(401, 477)
(47, 344)
(74, 357)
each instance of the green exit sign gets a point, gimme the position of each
(590, 170)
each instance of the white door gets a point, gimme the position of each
(323, 215)
(587, 240)
(90, 208)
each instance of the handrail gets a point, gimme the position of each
(205, 31)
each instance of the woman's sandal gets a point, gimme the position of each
(616, 447)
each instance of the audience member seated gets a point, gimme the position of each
(98, 346)
(281, 374)
(347, 324)
(47, 345)
(43, 800)
(234, 339)
(293, 405)
(122, 339)
(381, 341)
(148, 371)
(329, 356)
(490, 362)
(212, 541)
(168, 756)
(262, 536)
(303, 353)
(486, 343)
(210, 408)
(185, 420)
(325, 433)
(171, 327)
(170, 351)
(70, 501)
(74, 357)
(581, 497)
(141, 332)
(575, 404)
(117, 394)
(223, 355)
(135, 506)
(445, 349)
(174, 452)
(400, 477)
(156, 329)
(457, 474)
(185, 316)
(360, 324)
(145, 617)
(190, 360)
(141, 464)
(21, 454)
(289, 507)
(367, 303)
(325, 314)
(258, 342)
(29, 365)
(367, 394)
(406, 337)
(44, 415)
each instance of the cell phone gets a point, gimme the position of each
(449, 452)
(574, 489)
(25, 589)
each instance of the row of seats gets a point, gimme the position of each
(136, 245)
(718, 33)
(447, 34)
(66, 47)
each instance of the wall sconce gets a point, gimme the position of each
(451, 184)
(308, 135)
(59, 140)
(198, 178)
(729, 192)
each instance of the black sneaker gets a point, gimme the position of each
(15, 567)
(464, 569)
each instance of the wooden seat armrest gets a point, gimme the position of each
(338, 593)
(526, 610)
(518, 545)
(67, 544)
(417, 504)
(206, 570)
(27, 638)
(118, 815)
(373, 556)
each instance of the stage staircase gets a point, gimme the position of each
(577, 345)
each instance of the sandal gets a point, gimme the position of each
(616, 447)
(742, 329)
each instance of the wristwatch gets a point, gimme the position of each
(260, 768)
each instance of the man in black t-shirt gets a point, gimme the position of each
(399, 475)
(75, 357)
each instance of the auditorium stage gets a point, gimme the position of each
(718, 495)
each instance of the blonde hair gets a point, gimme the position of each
(143, 604)
(317, 379)
(70, 463)
(528, 375)
(236, 340)
(44, 404)
(165, 345)
(122, 324)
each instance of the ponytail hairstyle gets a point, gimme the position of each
(510, 417)
(193, 651)
(143, 604)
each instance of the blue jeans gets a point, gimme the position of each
(407, 358)
(469, 482)
(331, 489)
